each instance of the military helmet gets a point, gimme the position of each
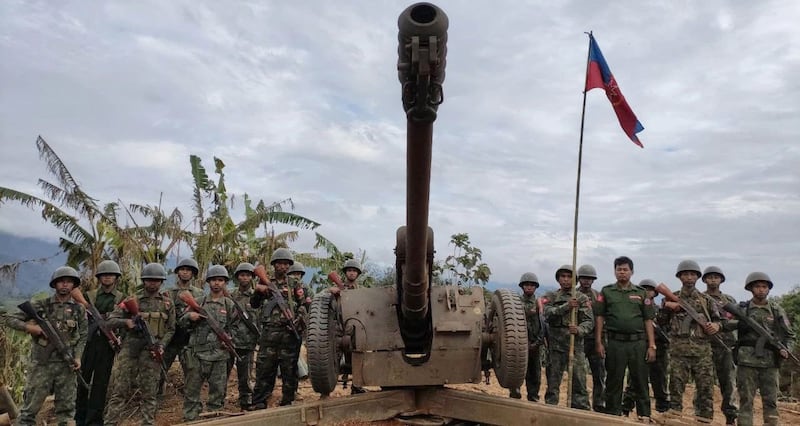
(647, 283)
(713, 270)
(756, 276)
(587, 271)
(65, 272)
(565, 267)
(154, 271)
(190, 263)
(688, 265)
(297, 267)
(352, 263)
(108, 267)
(244, 267)
(529, 277)
(281, 254)
(217, 271)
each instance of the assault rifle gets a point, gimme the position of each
(544, 332)
(99, 320)
(696, 317)
(244, 316)
(54, 340)
(153, 345)
(765, 336)
(660, 332)
(222, 335)
(266, 285)
(336, 279)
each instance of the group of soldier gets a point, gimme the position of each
(622, 335)
(134, 340)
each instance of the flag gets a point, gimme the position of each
(598, 75)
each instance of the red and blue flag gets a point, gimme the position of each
(598, 75)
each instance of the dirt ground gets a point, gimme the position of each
(170, 411)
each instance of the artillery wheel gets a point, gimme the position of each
(324, 335)
(510, 344)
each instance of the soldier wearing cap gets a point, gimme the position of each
(587, 275)
(98, 357)
(557, 311)
(48, 372)
(724, 367)
(533, 377)
(760, 371)
(690, 346)
(626, 315)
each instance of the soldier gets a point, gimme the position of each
(351, 270)
(657, 370)
(626, 315)
(138, 364)
(206, 357)
(557, 308)
(760, 371)
(48, 372)
(533, 377)
(586, 277)
(98, 357)
(278, 343)
(244, 339)
(690, 348)
(186, 272)
(723, 358)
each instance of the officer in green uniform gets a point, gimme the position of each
(533, 377)
(557, 308)
(137, 364)
(48, 373)
(626, 315)
(690, 348)
(98, 357)
(724, 366)
(587, 275)
(761, 372)
(244, 339)
(206, 357)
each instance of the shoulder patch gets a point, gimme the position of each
(600, 298)
(648, 301)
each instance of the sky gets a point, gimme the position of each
(301, 100)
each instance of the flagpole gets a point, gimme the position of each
(574, 312)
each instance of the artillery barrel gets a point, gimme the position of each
(421, 62)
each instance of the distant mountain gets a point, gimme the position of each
(33, 275)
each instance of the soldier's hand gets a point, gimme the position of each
(33, 329)
(600, 349)
(573, 303)
(673, 306)
(334, 291)
(711, 328)
(129, 323)
(573, 329)
(651, 354)
(261, 288)
(194, 316)
(784, 354)
(76, 364)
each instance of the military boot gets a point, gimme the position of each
(515, 393)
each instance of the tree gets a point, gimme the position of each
(464, 266)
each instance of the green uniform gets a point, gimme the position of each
(557, 315)
(690, 356)
(625, 311)
(657, 371)
(244, 340)
(135, 365)
(724, 367)
(206, 357)
(533, 377)
(596, 363)
(760, 372)
(180, 339)
(48, 373)
(96, 363)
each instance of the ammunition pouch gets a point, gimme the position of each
(156, 322)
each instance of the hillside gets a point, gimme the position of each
(32, 275)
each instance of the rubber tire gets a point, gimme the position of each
(324, 335)
(510, 347)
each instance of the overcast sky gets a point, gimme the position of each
(301, 100)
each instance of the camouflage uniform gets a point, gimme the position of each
(557, 314)
(48, 372)
(760, 373)
(533, 377)
(175, 347)
(690, 355)
(597, 364)
(206, 357)
(244, 340)
(724, 367)
(278, 347)
(135, 366)
(96, 363)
